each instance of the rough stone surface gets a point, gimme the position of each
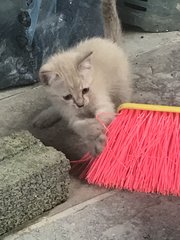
(157, 76)
(33, 179)
(119, 216)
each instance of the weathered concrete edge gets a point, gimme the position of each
(50, 219)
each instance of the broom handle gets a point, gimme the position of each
(149, 107)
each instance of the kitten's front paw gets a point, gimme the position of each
(91, 130)
(100, 144)
(96, 147)
(40, 122)
(46, 119)
(95, 130)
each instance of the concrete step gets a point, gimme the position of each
(33, 179)
(111, 216)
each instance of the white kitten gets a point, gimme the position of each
(88, 79)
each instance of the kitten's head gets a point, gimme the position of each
(68, 77)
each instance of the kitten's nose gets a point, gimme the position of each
(79, 102)
(80, 105)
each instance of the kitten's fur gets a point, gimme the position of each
(98, 65)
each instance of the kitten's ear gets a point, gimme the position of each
(46, 76)
(84, 64)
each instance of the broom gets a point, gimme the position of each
(142, 151)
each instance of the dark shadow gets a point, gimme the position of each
(62, 138)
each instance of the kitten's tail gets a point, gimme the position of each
(112, 25)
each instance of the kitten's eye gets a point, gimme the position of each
(68, 97)
(85, 90)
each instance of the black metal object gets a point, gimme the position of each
(31, 30)
(151, 15)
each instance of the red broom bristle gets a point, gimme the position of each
(142, 153)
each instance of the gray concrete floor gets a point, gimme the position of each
(112, 216)
(92, 212)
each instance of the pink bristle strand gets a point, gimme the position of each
(142, 153)
(80, 167)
